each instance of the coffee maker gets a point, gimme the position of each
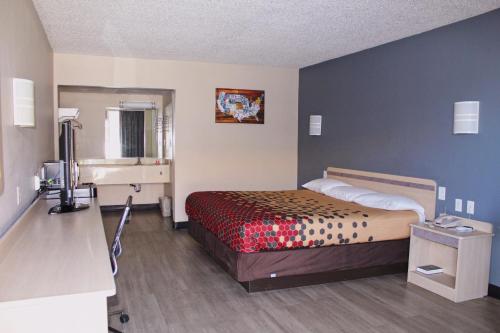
(68, 170)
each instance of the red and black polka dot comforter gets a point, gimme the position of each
(272, 220)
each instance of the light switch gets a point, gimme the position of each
(470, 207)
(441, 193)
(458, 205)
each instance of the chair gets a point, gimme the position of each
(114, 252)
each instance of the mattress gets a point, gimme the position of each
(257, 221)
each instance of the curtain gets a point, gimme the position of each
(132, 133)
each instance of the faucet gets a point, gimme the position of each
(137, 187)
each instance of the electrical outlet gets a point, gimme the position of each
(470, 207)
(441, 193)
(458, 205)
(18, 195)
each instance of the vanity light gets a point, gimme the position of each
(23, 92)
(68, 114)
(314, 125)
(466, 118)
(137, 105)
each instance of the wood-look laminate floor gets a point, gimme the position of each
(168, 283)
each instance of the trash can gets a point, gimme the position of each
(166, 206)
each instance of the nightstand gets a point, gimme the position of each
(464, 256)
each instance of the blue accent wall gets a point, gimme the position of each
(390, 109)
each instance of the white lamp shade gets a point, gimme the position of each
(23, 92)
(466, 118)
(314, 125)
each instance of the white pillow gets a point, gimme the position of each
(322, 184)
(391, 202)
(347, 193)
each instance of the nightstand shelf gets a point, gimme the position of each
(464, 257)
(440, 278)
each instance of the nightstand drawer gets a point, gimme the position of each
(435, 237)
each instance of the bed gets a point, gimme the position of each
(278, 239)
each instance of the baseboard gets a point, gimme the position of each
(114, 208)
(180, 225)
(494, 291)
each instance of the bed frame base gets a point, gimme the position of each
(391, 257)
(323, 277)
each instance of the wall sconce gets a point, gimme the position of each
(23, 95)
(466, 118)
(314, 125)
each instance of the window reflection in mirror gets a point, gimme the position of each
(134, 133)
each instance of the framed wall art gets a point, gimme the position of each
(241, 106)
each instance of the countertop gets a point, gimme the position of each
(55, 255)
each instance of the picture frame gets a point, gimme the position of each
(240, 106)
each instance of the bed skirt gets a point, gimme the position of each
(272, 269)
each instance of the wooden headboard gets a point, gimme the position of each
(421, 190)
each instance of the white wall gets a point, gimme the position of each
(25, 53)
(208, 156)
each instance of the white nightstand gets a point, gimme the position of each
(464, 256)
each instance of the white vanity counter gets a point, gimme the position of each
(121, 161)
(117, 174)
(113, 177)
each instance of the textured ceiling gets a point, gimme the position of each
(293, 33)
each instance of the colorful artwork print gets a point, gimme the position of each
(239, 106)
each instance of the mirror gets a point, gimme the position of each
(1, 150)
(133, 133)
(121, 123)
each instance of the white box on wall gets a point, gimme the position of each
(23, 92)
(314, 125)
(466, 118)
